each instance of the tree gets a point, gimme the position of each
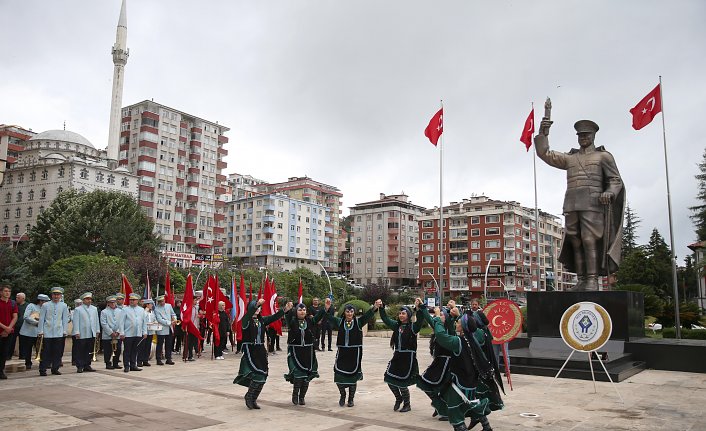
(654, 306)
(14, 271)
(87, 223)
(630, 225)
(633, 268)
(97, 273)
(699, 211)
(659, 265)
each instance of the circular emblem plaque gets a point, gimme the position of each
(586, 326)
(505, 320)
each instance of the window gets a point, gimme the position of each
(21, 178)
(475, 232)
(19, 196)
(7, 213)
(492, 231)
(124, 182)
(475, 220)
(30, 195)
(427, 259)
(45, 174)
(18, 213)
(99, 177)
(475, 244)
(33, 175)
(495, 243)
(428, 247)
(475, 257)
(111, 179)
(8, 198)
(428, 223)
(428, 235)
(492, 219)
(84, 174)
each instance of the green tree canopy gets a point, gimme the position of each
(699, 211)
(659, 268)
(85, 223)
(630, 225)
(96, 273)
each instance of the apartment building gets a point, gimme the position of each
(308, 190)
(501, 237)
(178, 158)
(278, 232)
(384, 241)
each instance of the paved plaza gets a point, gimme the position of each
(200, 395)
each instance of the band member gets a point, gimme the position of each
(143, 354)
(86, 327)
(120, 300)
(402, 370)
(53, 326)
(436, 377)
(165, 315)
(311, 312)
(28, 332)
(467, 367)
(253, 364)
(223, 328)
(347, 367)
(110, 335)
(74, 345)
(132, 327)
(301, 352)
(8, 318)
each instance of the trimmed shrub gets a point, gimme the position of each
(686, 334)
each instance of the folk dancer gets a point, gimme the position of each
(132, 327)
(110, 333)
(436, 377)
(143, 354)
(253, 364)
(85, 330)
(468, 366)
(8, 318)
(53, 326)
(165, 315)
(402, 370)
(301, 351)
(28, 331)
(347, 366)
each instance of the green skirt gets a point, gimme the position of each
(297, 373)
(347, 379)
(247, 375)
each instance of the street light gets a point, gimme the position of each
(485, 284)
(438, 297)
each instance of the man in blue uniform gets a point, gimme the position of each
(132, 327)
(110, 337)
(53, 326)
(167, 318)
(85, 330)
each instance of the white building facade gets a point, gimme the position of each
(278, 232)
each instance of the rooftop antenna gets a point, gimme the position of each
(64, 124)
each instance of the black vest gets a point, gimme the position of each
(462, 369)
(349, 337)
(404, 338)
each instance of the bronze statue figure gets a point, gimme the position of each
(593, 203)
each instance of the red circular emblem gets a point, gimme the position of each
(505, 320)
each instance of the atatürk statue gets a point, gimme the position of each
(593, 204)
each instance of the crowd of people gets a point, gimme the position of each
(462, 381)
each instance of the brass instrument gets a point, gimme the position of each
(39, 347)
(96, 346)
(34, 315)
(114, 344)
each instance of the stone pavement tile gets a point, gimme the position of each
(33, 417)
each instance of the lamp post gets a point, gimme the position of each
(438, 297)
(485, 283)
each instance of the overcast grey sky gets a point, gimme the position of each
(341, 91)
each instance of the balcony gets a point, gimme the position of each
(192, 212)
(218, 229)
(194, 170)
(190, 240)
(191, 225)
(269, 218)
(268, 229)
(459, 275)
(195, 143)
(458, 262)
(195, 156)
(221, 165)
(192, 198)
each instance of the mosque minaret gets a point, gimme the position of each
(120, 54)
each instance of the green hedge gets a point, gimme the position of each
(686, 334)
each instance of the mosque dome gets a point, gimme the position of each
(62, 136)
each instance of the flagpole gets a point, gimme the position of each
(536, 212)
(677, 324)
(439, 289)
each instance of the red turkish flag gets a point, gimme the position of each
(528, 130)
(435, 127)
(647, 108)
(301, 292)
(187, 308)
(168, 294)
(274, 307)
(126, 288)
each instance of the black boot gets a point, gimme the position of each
(257, 388)
(460, 427)
(342, 400)
(296, 388)
(248, 397)
(351, 395)
(485, 423)
(302, 392)
(405, 398)
(398, 397)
